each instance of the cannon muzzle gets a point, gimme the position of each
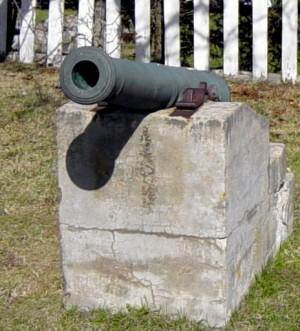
(88, 75)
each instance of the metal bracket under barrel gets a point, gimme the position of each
(193, 98)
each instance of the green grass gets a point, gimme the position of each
(42, 14)
(30, 279)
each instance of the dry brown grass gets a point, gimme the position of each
(30, 279)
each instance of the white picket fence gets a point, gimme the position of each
(172, 33)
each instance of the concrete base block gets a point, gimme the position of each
(175, 212)
(277, 166)
(145, 269)
(284, 209)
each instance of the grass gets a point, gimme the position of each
(30, 279)
(42, 14)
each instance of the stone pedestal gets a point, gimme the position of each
(175, 212)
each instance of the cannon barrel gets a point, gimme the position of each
(88, 75)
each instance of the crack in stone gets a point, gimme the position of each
(147, 286)
(113, 244)
(128, 231)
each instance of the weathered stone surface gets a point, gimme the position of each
(174, 212)
(284, 207)
(281, 187)
(277, 168)
(247, 159)
(163, 174)
(246, 252)
(110, 269)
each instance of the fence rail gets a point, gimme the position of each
(171, 8)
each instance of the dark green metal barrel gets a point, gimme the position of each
(88, 76)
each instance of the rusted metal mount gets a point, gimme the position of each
(193, 98)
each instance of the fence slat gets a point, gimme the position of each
(26, 52)
(172, 32)
(85, 22)
(289, 40)
(55, 32)
(201, 34)
(231, 37)
(113, 28)
(142, 30)
(3, 27)
(260, 39)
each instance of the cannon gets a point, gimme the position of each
(88, 75)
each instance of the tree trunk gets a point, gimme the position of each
(157, 35)
(99, 24)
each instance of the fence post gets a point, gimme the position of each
(172, 32)
(85, 22)
(26, 52)
(55, 32)
(142, 30)
(289, 40)
(260, 39)
(201, 34)
(113, 28)
(3, 28)
(231, 37)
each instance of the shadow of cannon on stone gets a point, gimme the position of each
(91, 156)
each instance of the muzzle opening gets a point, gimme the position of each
(85, 75)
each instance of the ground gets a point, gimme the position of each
(30, 277)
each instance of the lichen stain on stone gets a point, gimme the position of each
(180, 123)
(258, 245)
(212, 123)
(119, 274)
(184, 275)
(209, 131)
(147, 172)
(116, 289)
(239, 271)
(222, 202)
(178, 275)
